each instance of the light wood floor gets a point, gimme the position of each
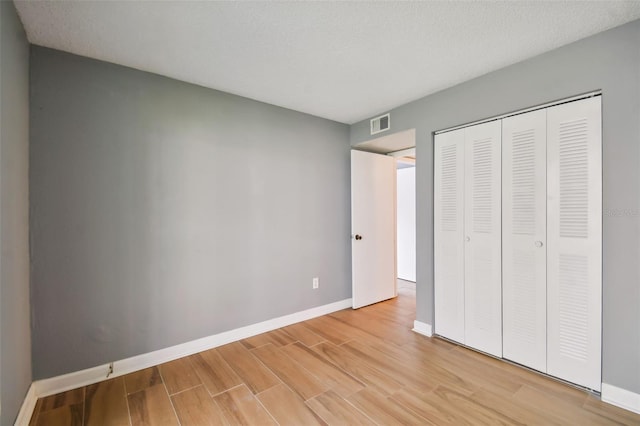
(350, 367)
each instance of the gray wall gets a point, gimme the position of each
(609, 61)
(162, 212)
(15, 334)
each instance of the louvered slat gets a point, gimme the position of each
(482, 185)
(573, 298)
(574, 178)
(449, 188)
(523, 170)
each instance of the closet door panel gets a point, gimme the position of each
(574, 276)
(524, 229)
(449, 234)
(483, 270)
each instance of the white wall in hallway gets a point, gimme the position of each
(407, 223)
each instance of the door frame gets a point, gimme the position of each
(398, 144)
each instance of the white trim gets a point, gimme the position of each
(620, 397)
(28, 405)
(97, 374)
(422, 328)
(522, 111)
(409, 152)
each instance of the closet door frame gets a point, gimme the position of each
(577, 363)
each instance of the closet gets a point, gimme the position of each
(518, 239)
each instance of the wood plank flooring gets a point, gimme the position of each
(361, 367)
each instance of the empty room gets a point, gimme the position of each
(319, 213)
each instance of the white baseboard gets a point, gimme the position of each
(97, 374)
(422, 328)
(28, 405)
(620, 397)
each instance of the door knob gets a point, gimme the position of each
(358, 237)
(538, 243)
(468, 239)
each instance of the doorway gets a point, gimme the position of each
(399, 250)
(406, 220)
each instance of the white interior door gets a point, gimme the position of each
(373, 227)
(574, 254)
(448, 234)
(524, 231)
(483, 228)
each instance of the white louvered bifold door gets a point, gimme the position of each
(449, 234)
(574, 251)
(483, 270)
(524, 235)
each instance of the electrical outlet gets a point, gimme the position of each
(316, 282)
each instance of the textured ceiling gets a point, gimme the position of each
(345, 61)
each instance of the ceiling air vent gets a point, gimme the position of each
(380, 124)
